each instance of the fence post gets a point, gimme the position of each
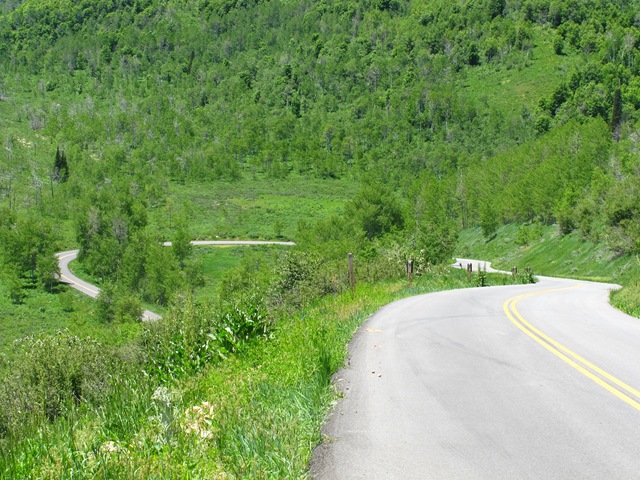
(352, 276)
(410, 271)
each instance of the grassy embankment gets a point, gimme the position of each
(255, 415)
(548, 253)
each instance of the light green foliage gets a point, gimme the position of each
(527, 234)
(222, 119)
(434, 214)
(550, 254)
(49, 375)
(251, 208)
(27, 247)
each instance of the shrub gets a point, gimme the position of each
(193, 335)
(180, 343)
(50, 374)
(301, 277)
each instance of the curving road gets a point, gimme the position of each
(66, 276)
(517, 382)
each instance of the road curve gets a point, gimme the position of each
(515, 382)
(66, 276)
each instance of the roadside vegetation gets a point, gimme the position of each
(235, 389)
(393, 130)
(547, 252)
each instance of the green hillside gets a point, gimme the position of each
(390, 129)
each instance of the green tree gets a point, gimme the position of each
(47, 270)
(615, 122)
(181, 244)
(10, 276)
(436, 225)
(60, 166)
(376, 210)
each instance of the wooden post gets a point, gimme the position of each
(352, 276)
(410, 271)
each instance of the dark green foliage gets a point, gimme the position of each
(376, 210)
(558, 45)
(616, 115)
(60, 166)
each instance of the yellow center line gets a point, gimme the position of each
(73, 282)
(577, 362)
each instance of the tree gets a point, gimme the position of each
(615, 123)
(105, 303)
(60, 167)
(181, 245)
(376, 209)
(436, 227)
(558, 44)
(13, 282)
(47, 271)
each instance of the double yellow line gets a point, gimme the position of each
(607, 381)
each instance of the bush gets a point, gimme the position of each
(115, 304)
(302, 277)
(528, 233)
(50, 374)
(241, 322)
(181, 342)
(194, 335)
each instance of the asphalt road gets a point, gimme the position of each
(516, 382)
(66, 276)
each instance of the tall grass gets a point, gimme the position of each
(256, 414)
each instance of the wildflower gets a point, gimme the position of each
(198, 420)
(112, 447)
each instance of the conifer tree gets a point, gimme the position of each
(60, 167)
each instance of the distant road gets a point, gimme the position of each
(64, 258)
(517, 382)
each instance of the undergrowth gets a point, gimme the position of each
(225, 390)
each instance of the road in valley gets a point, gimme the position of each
(517, 382)
(66, 276)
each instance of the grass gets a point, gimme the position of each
(549, 253)
(522, 83)
(43, 312)
(252, 208)
(217, 261)
(256, 415)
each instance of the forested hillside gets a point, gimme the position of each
(482, 95)
(378, 127)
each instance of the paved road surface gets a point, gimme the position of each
(64, 258)
(516, 382)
